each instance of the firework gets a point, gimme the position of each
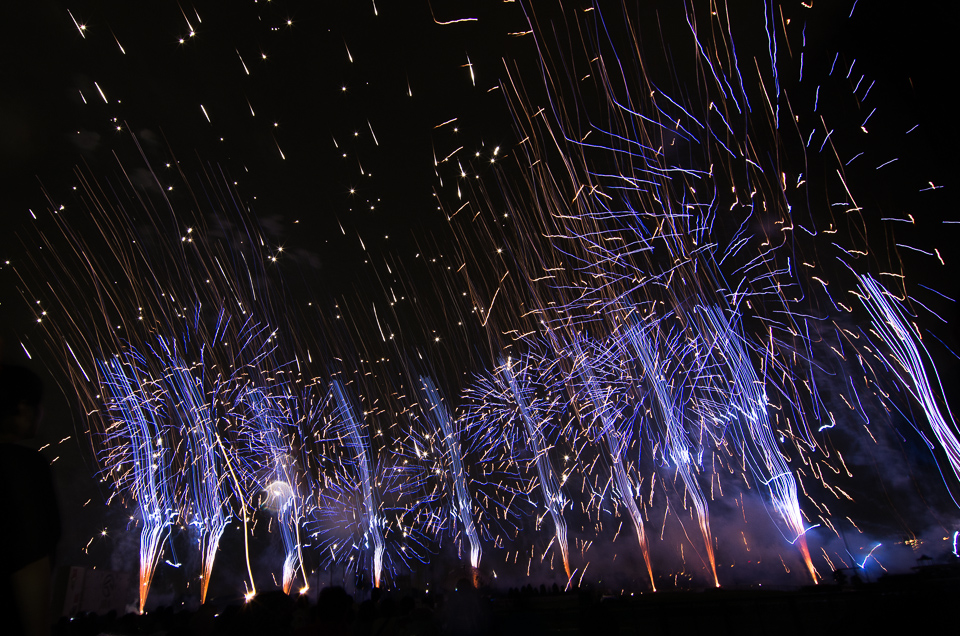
(646, 291)
(143, 462)
(357, 443)
(890, 325)
(444, 426)
(616, 433)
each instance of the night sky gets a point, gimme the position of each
(347, 125)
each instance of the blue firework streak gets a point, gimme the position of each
(192, 410)
(363, 492)
(609, 418)
(745, 412)
(468, 475)
(517, 408)
(137, 458)
(914, 372)
(450, 449)
(268, 439)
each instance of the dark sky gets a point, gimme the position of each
(344, 151)
(54, 115)
(330, 116)
(313, 104)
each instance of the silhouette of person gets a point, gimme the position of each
(30, 528)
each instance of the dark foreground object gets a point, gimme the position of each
(851, 608)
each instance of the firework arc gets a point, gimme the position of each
(206, 477)
(678, 445)
(463, 504)
(275, 473)
(616, 431)
(358, 443)
(890, 325)
(746, 403)
(533, 422)
(138, 429)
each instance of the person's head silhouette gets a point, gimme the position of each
(20, 412)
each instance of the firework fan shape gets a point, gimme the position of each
(363, 519)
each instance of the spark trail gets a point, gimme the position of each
(275, 474)
(891, 326)
(616, 439)
(550, 486)
(437, 411)
(746, 403)
(358, 444)
(137, 425)
(678, 447)
(206, 479)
